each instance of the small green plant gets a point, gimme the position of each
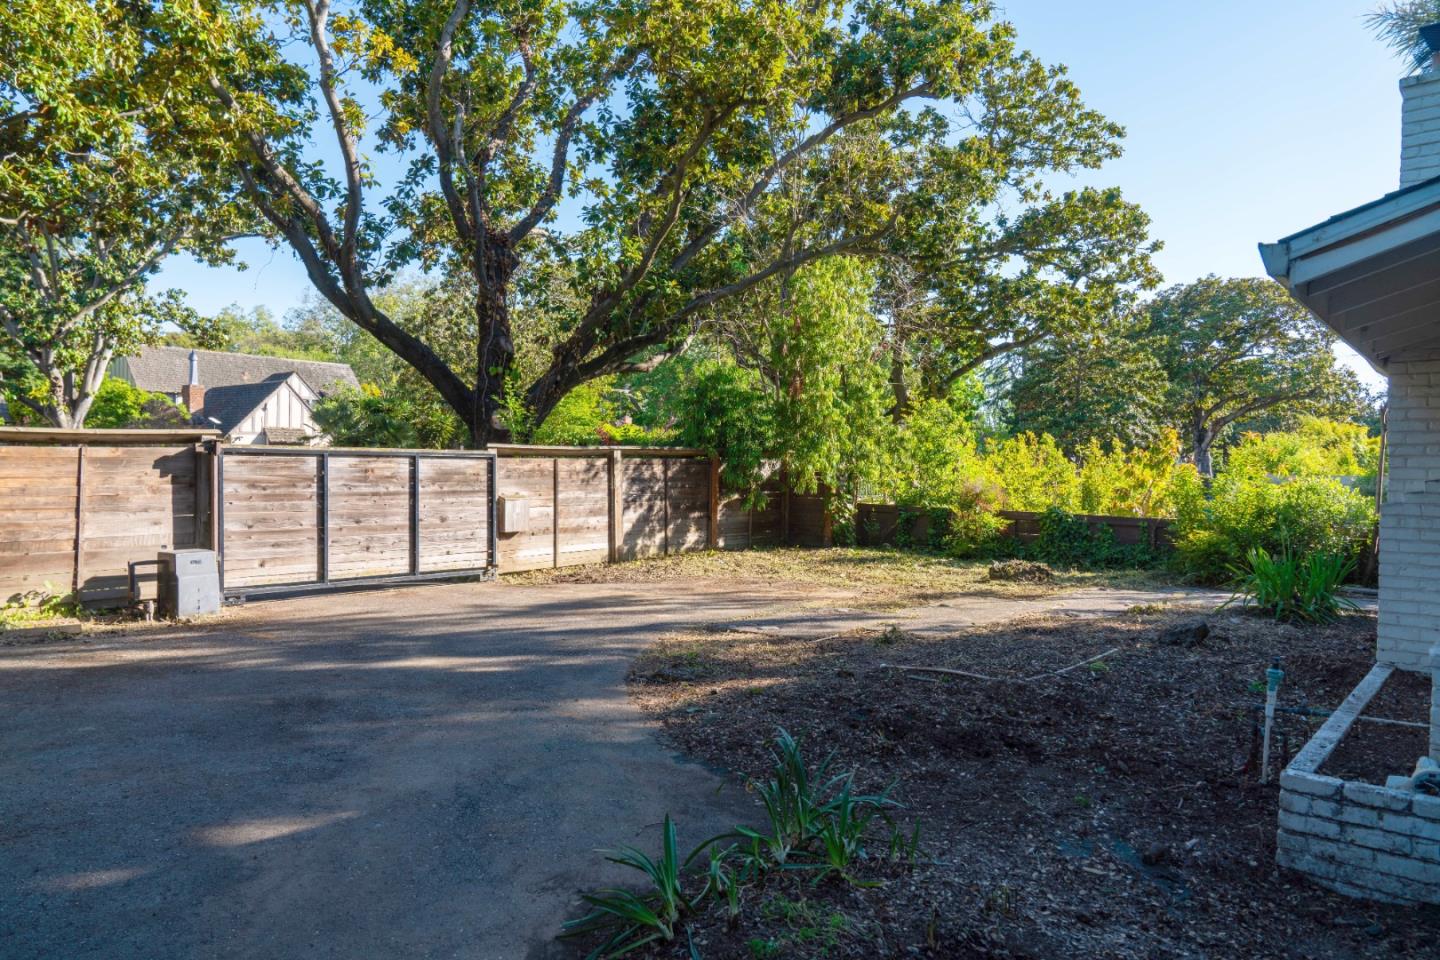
(1067, 540)
(1295, 589)
(35, 606)
(629, 920)
(842, 833)
(905, 847)
(816, 822)
(812, 814)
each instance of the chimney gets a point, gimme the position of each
(192, 394)
(1420, 116)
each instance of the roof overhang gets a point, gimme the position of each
(1372, 274)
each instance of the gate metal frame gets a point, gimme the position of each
(323, 582)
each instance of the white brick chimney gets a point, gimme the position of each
(1420, 117)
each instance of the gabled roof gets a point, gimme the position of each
(1371, 273)
(226, 407)
(167, 369)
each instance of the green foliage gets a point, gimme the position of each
(372, 417)
(634, 435)
(1066, 540)
(1090, 388)
(709, 150)
(1133, 481)
(1033, 473)
(629, 920)
(1307, 515)
(589, 415)
(1397, 24)
(117, 404)
(816, 823)
(112, 163)
(578, 419)
(1315, 448)
(727, 411)
(1233, 350)
(1294, 588)
(36, 606)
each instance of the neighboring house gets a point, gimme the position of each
(249, 399)
(1373, 275)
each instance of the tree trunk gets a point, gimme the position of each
(496, 350)
(898, 388)
(1204, 438)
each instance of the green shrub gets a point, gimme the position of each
(1316, 448)
(628, 920)
(117, 404)
(1122, 481)
(1066, 540)
(1309, 515)
(1033, 473)
(1292, 587)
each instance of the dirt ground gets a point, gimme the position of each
(1109, 811)
(868, 578)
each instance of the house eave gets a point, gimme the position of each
(1371, 274)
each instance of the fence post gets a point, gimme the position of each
(555, 514)
(665, 506)
(617, 504)
(415, 515)
(322, 560)
(785, 510)
(79, 520)
(714, 542)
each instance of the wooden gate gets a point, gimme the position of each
(294, 518)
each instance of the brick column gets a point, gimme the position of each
(1435, 702)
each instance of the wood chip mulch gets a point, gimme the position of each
(1109, 811)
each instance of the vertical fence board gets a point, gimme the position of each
(454, 514)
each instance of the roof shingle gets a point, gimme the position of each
(167, 369)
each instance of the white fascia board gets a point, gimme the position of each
(1303, 268)
(1363, 219)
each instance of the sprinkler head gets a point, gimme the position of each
(1273, 676)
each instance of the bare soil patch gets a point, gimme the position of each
(874, 578)
(1109, 811)
(1373, 751)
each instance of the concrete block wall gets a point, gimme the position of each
(1359, 839)
(1420, 128)
(1410, 518)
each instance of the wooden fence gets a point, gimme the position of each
(80, 506)
(297, 516)
(593, 505)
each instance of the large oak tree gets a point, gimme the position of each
(668, 155)
(1239, 349)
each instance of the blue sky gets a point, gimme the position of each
(1247, 120)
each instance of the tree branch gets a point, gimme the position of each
(816, 139)
(990, 353)
(560, 157)
(445, 146)
(319, 13)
